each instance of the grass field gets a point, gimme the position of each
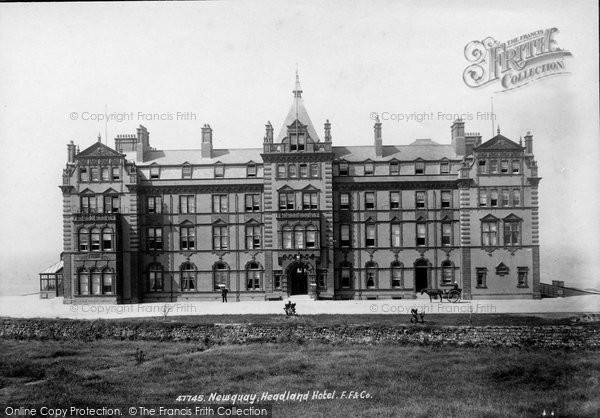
(402, 381)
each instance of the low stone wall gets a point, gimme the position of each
(556, 336)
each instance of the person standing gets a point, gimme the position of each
(224, 292)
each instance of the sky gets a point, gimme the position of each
(232, 65)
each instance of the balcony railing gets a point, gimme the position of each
(95, 217)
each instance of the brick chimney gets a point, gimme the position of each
(143, 142)
(458, 136)
(528, 143)
(207, 145)
(378, 139)
(327, 131)
(70, 152)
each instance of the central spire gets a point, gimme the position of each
(297, 90)
(298, 113)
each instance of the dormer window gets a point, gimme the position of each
(251, 170)
(394, 168)
(344, 169)
(154, 172)
(297, 143)
(219, 170)
(369, 169)
(444, 167)
(420, 167)
(186, 172)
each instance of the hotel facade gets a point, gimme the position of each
(300, 216)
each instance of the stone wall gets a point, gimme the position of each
(585, 336)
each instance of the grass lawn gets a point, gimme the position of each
(402, 381)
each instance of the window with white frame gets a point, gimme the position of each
(369, 200)
(446, 197)
(253, 235)
(155, 278)
(154, 204)
(394, 200)
(220, 275)
(447, 272)
(421, 234)
(345, 201)
(369, 168)
(186, 171)
(419, 167)
(512, 232)
(187, 238)
(219, 170)
(420, 202)
(287, 237)
(446, 234)
(396, 275)
(394, 168)
(310, 201)
(187, 204)
(154, 172)
(286, 200)
(489, 232)
(220, 203)
(251, 170)
(253, 276)
(154, 239)
(252, 202)
(396, 234)
(370, 235)
(188, 277)
(345, 237)
(220, 237)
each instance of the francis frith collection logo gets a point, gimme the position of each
(514, 63)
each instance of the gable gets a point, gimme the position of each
(98, 150)
(499, 142)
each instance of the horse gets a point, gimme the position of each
(433, 293)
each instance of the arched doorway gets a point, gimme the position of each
(297, 274)
(421, 274)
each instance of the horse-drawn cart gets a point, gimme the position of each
(453, 295)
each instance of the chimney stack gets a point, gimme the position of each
(327, 131)
(378, 140)
(207, 145)
(143, 142)
(269, 132)
(70, 152)
(528, 143)
(458, 136)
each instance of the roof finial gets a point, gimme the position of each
(297, 90)
(521, 141)
(498, 129)
(99, 137)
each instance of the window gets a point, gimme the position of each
(252, 202)
(286, 201)
(111, 204)
(420, 167)
(396, 275)
(188, 277)
(220, 238)
(84, 282)
(505, 197)
(281, 171)
(95, 239)
(522, 276)
(482, 167)
(396, 234)
(253, 276)
(515, 166)
(345, 235)
(154, 204)
(303, 170)
(84, 240)
(155, 278)
(494, 198)
(293, 143)
(105, 174)
(446, 234)
(516, 197)
(298, 237)
(421, 234)
(420, 200)
(116, 173)
(482, 197)
(446, 199)
(310, 201)
(371, 275)
(251, 170)
(96, 282)
(220, 203)
(344, 201)
(155, 241)
(444, 167)
(88, 204)
(253, 237)
(493, 166)
(292, 171)
(107, 239)
(369, 169)
(154, 172)
(345, 275)
(321, 279)
(187, 204)
(394, 168)
(370, 235)
(108, 279)
(489, 233)
(287, 237)
(314, 170)
(481, 277)
(311, 236)
(344, 169)
(186, 171)
(95, 174)
(301, 143)
(504, 166)
(369, 200)
(220, 275)
(84, 174)
(277, 279)
(219, 170)
(187, 238)
(512, 230)
(394, 200)
(447, 272)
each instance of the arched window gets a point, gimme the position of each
(96, 282)
(311, 236)
(299, 237)
(188, 277)
(253, 276)
(155, 278)
(396, 275)
(84, 282)
(287, 237)
(447, 272)
(107, 239)
(220, 275)
(84, 240)
(95, 238)
(371, 274)
(108, 280)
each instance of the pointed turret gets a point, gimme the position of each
(298, 112)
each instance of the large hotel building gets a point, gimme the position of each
(300, 216)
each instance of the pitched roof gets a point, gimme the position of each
(425, 149)
(298, 112)
(98, 149)
(54, 268)
(194, 156)
(499, 142)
